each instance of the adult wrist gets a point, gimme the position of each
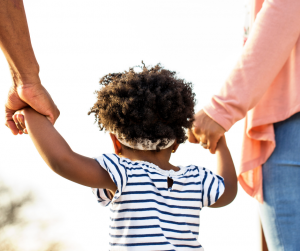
(25, 79)
(218, 116)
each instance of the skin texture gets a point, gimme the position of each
(226, 169)
(26, 89)
(205, 130)
(86, 171)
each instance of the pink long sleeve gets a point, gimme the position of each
(272, 38)
(264, 86)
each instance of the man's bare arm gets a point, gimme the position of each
(16, 45)
(15, 42)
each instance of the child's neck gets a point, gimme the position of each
(160, 159)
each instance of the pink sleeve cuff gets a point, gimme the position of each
(217, 116)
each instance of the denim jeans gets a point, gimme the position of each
(280, 212)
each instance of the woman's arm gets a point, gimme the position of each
(59, 156)
(272, 38)
(227, 171)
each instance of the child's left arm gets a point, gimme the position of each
(59, 156)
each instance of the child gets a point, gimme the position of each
(154, 205)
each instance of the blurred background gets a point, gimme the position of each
(76, 43)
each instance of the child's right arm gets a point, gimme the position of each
(59, 156)
(226, 169)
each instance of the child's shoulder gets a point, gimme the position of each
(196, 168)
(108, 159)
(105, 158)
(113, 161)
(203, 172)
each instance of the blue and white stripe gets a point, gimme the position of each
(146, 214)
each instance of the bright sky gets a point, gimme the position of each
(76, 43)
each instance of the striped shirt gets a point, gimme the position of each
(146, 214)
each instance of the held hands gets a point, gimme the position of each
(206, 131)
(19, 120)
(34, 95)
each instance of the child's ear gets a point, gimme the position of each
(175, 146)
(116, 143)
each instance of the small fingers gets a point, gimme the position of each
(19, 123)
(21, 120)
(204, 145)
(203, 142)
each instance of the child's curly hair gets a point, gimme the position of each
(152, 104)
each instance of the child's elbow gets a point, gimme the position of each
(227, 197)
(232, 194)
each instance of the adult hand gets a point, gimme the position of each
(206, 131)
(16, 46)
(34, 95)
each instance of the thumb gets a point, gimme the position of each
(214, 143)
(9, 121)
(213, 147)
(51, 119)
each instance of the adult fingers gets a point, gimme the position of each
(53, 114)
(213, 146)
(191, 137)
(200, 136)
(209, 142)
(208, 130)
(204, 145)
(40, 100)
(13, 103)
(203, 141)
(9, 122)
(12, 126)
(214, 143)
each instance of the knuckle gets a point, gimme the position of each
(197, 130)
(57, 113)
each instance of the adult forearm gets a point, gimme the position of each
(15, 43)
(16, 46)
(271, 41)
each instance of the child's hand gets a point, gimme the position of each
(19, 119)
